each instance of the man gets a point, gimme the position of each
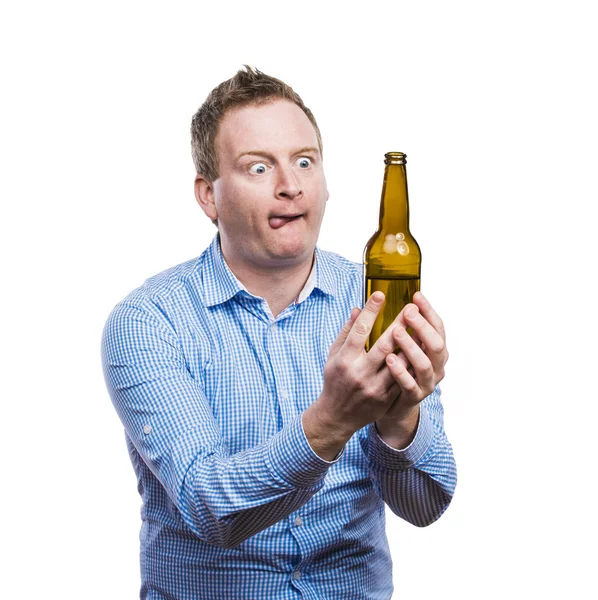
(265, 439)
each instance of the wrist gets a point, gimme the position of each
(324, 434)
(399, 431)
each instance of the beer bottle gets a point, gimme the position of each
(392, 258)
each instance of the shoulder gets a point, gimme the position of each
(340, 264)
(169, 283)
(341, 276)
(165, 295)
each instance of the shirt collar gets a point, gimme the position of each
(220, 283)
(321, 277)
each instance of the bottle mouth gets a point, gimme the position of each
(395, 158)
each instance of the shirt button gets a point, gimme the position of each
(298, 521)
(284, 394)
(147, 429)
(297, 575)
(273, 327)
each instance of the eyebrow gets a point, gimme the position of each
(304, 150)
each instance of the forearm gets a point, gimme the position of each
(224, 497)
(417, 482)
(399, 432)
(326, 437)
(227, 499)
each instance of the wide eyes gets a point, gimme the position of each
(304, 162)
(258, 169)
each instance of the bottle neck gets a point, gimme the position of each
(394, 205)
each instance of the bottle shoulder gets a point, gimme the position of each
(392, 253)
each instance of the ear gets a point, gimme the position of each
(204, 194)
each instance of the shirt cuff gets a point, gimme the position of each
(387, 457)
(292, 459)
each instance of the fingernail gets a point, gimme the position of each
(391, 359)
(412, 314)
(377, 296)
(400, 332)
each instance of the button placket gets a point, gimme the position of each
(276, 353)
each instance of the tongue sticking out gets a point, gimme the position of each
(278, 222)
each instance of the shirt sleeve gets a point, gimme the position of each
(419, 481)
(224, 498)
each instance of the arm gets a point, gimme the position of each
(418, 368)
(224, 498)
(411, 462)
(416, 482)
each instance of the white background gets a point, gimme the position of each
(495, 105)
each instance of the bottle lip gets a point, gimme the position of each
(395, 158)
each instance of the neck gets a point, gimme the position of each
(394, 206)
(278, 286)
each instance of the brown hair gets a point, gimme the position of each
(248, 86)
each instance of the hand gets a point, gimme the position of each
(417, 369)
(358, 387)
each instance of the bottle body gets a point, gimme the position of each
(392, 257)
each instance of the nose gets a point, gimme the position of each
(288, 186)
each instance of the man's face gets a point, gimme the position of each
(271, 192)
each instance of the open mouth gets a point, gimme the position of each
(278, 222)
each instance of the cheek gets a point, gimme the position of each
(319, 189)
(322, 195)
(239, 209)
(227, 202)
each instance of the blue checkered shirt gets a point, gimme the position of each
(236, 505)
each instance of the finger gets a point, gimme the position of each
(410, 369)
(385, 344)
(424, 333)
(390, 381)
(402, 318)
(344, 332)
(385, 377)
(401, 375)
(421, 363)
(355, 342)
(401, 356)
(429, 313)
(415, 337)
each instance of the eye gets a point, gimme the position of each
(304, 162)
(258, 168)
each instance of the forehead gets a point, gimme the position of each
(276, 126)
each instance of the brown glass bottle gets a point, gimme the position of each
(392, 258)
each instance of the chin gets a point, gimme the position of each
(292, 253)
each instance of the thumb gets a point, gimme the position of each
(344, 332)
